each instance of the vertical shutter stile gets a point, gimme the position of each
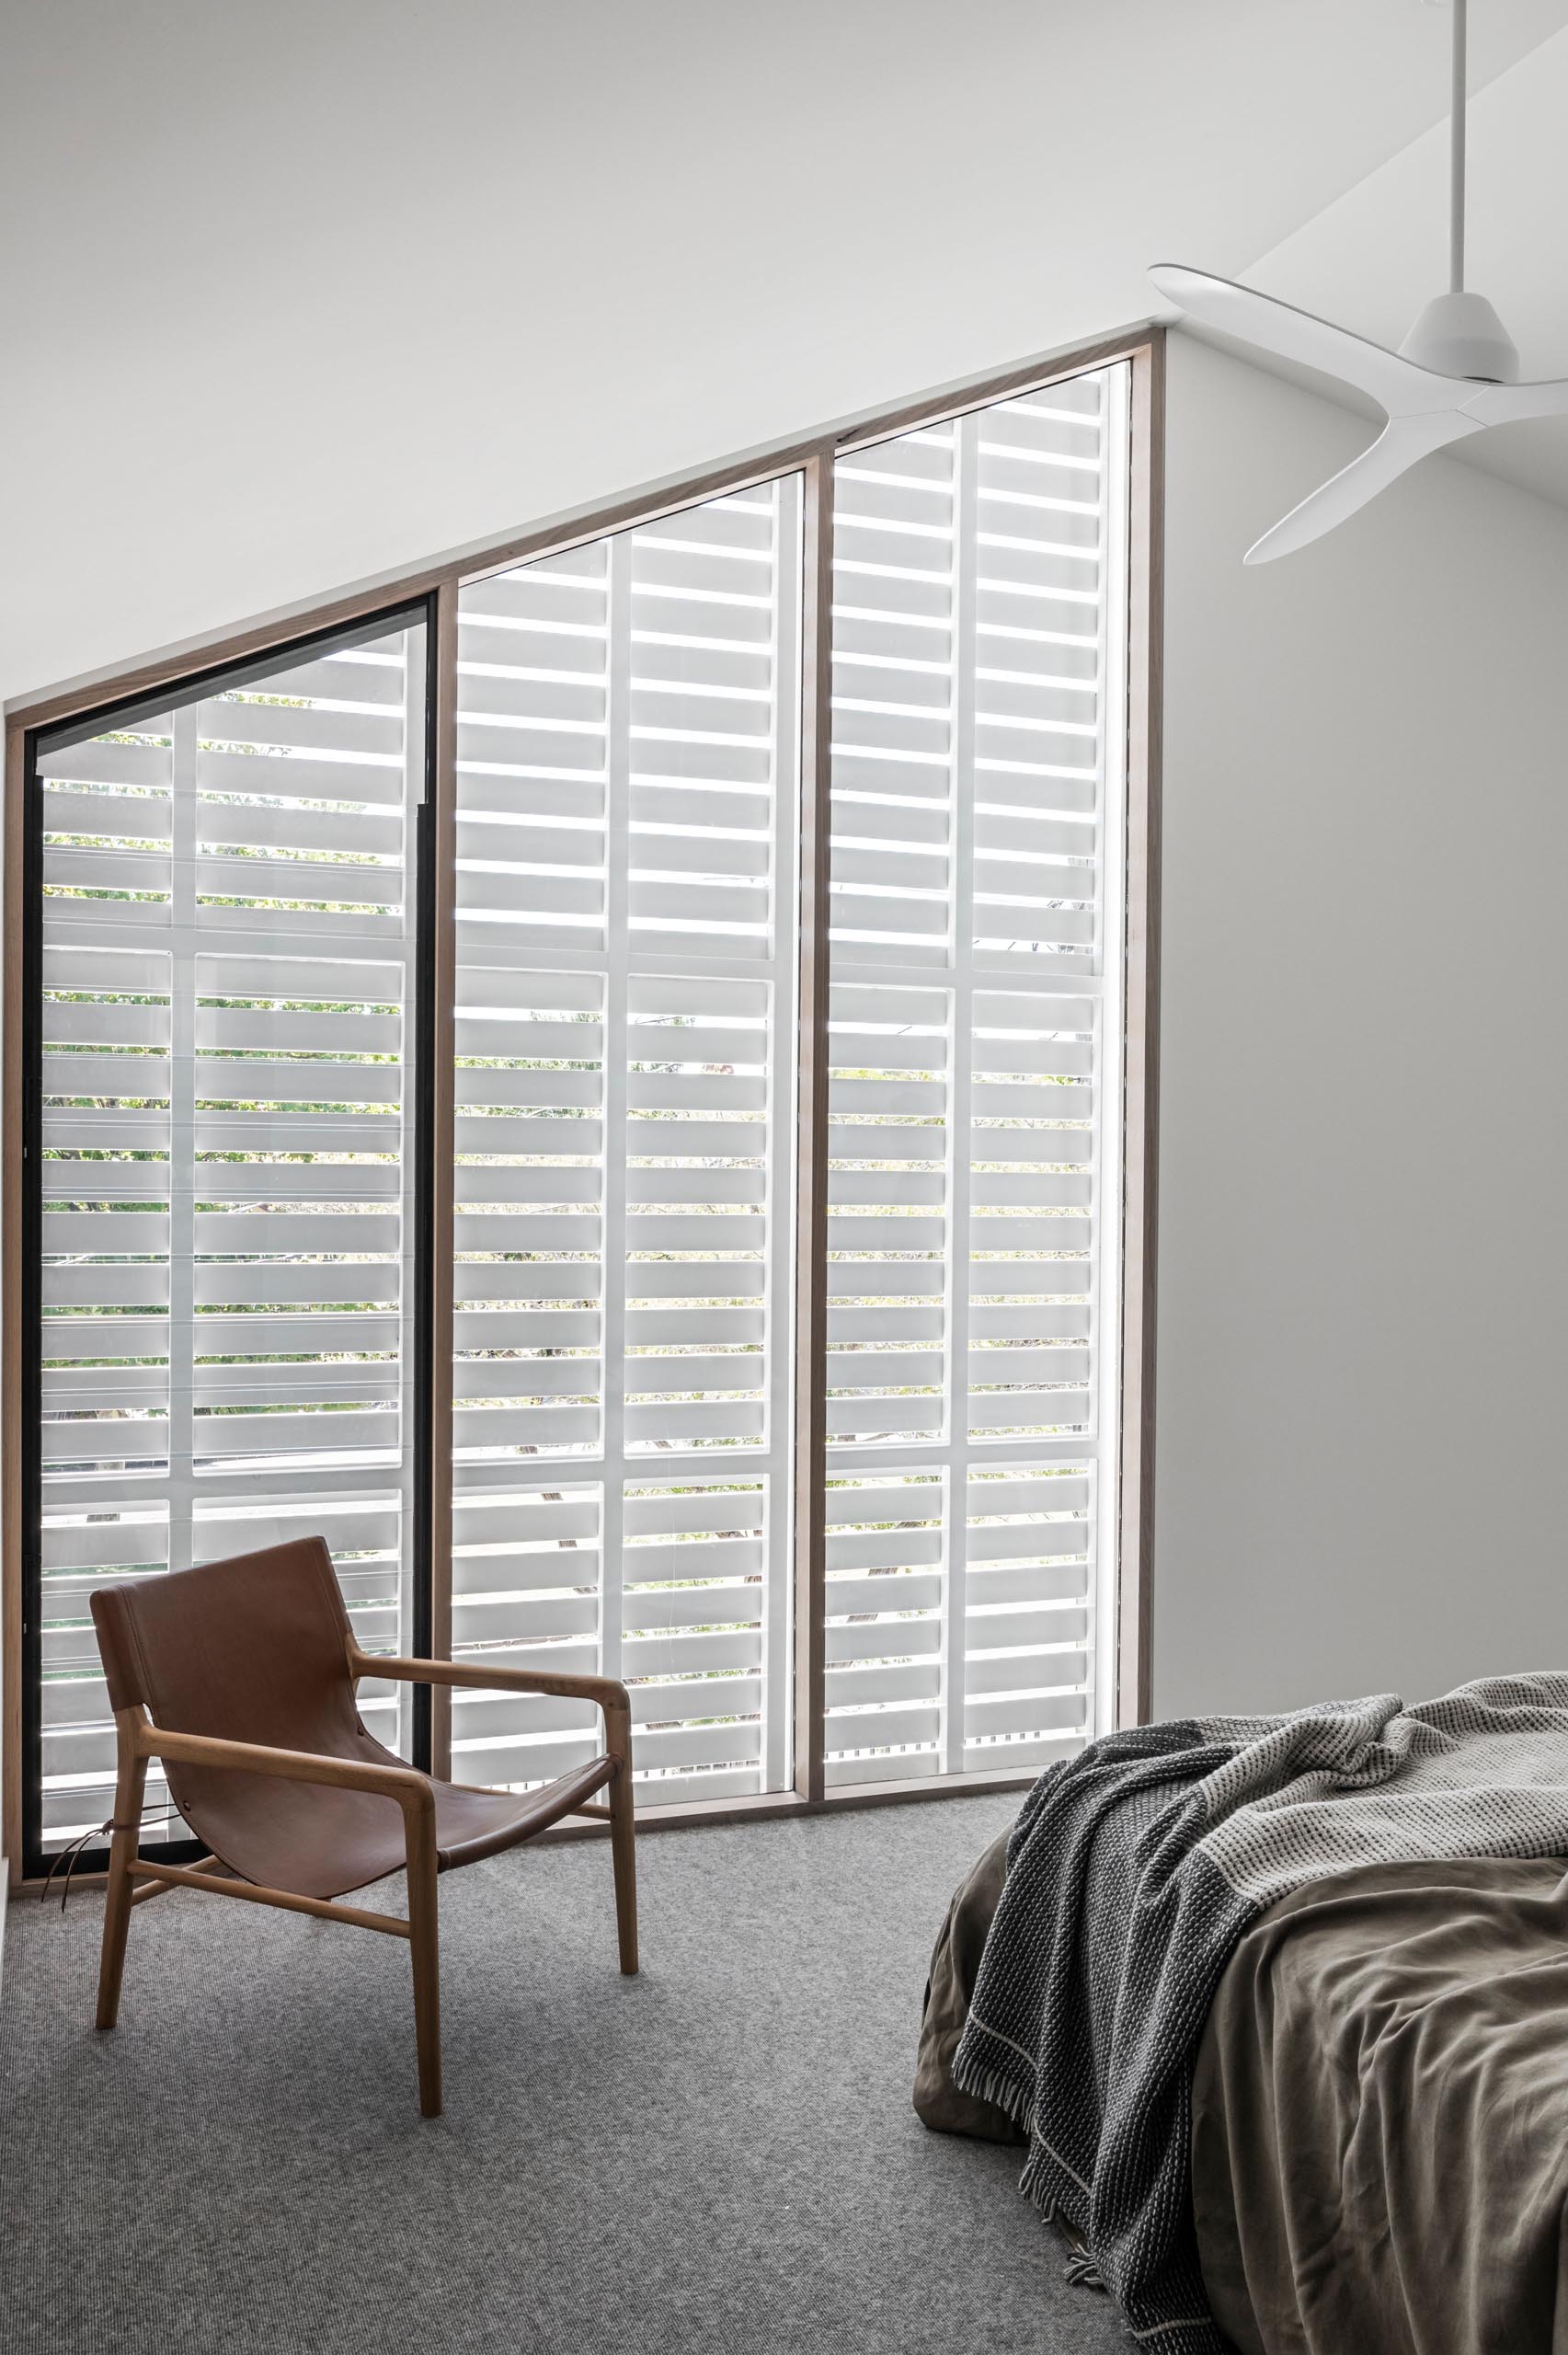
(617, 946)
(439, 1080)
(182, 1142)
(964, 553)
(812, 846)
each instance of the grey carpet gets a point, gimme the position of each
(719, 2155)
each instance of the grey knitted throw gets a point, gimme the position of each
(1132, 1871)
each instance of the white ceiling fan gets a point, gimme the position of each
(1455, 372)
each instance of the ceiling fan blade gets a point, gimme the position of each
(1397, 385)
(1507, 403)
(1401, 441)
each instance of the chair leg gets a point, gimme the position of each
(424, 1951)
(623, 1850)
(130, 1790)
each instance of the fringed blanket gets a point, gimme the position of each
(1132, 1873)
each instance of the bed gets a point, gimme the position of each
(1375, 2153)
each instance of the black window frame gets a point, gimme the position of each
(92, 1855)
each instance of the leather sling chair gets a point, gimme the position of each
(240, 1676)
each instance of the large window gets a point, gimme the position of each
(602, 1092)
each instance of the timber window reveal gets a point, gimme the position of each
(436, 1053)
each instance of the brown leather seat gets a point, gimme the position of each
(241, 1676)
(256, 1650)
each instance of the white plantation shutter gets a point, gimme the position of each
(226, 1030)
(979, 588)
(628, 813)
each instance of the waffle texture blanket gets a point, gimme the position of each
(1131, 1874)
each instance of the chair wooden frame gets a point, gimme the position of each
(140, 1740)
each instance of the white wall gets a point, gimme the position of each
(1363, 1307)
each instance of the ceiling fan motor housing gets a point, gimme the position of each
(1461, 335)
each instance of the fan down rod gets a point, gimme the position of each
(1456, 156)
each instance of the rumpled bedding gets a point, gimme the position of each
(1380, 2117)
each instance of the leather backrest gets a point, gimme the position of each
(254, 1649)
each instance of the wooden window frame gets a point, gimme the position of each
(1142, 348)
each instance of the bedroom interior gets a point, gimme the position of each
(778, 1161)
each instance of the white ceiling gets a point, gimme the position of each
(300, 296)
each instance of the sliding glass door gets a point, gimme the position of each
(225, 997)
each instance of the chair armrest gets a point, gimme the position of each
(610, 1697)
(411, 1789)
(604, 1690)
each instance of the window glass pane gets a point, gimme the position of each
(227, 1034)
(979, 592)
(627, 824)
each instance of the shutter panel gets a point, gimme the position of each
(227, 958)
(980, 587)
(627, 816)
